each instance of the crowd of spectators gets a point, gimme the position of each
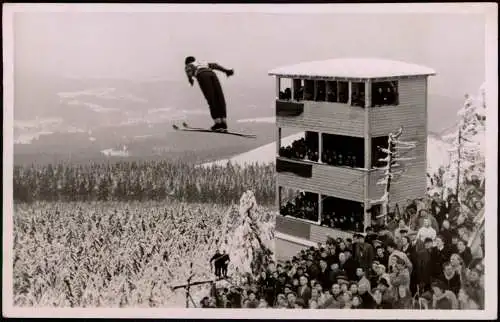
(304, 206)
(333, 154)
(300, 149)
(421, 261)
(384, 93)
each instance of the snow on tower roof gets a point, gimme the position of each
(352, 68)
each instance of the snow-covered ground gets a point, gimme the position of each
(106, 93)
(437, 153)
(115, 153)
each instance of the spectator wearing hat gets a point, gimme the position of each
(385, 287)
(443, 299)
(364, 252)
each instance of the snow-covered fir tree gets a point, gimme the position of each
(394, 167)
(251, 246)
(467, 159)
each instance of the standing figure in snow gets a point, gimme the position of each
(217, 263)
(211, 88)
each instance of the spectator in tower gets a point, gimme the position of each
(364, 251)
(443, 299)
(450, 278)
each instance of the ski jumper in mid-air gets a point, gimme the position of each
(211, 88)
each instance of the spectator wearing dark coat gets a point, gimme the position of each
(364, 252)
(304, 291)
(424, 267)
(450, 278)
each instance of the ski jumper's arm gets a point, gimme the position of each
(218, 67)
(190, 73)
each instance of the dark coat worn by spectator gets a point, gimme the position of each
(364, 254)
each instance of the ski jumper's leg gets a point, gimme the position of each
(205, 81)
(220, 102)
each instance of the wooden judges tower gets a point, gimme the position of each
(347, 108)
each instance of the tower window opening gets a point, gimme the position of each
(303, 148)
(309, 89)
(331, 91)
(320, 90)
(299, 204)
(377, 154)
(298, 89)
(385, 93)
(285, 89)
(342, 214)
(343, 92)
(358, 94)
(339, 150)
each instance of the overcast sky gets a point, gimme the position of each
(145, 45)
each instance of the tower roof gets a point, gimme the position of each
(352, 68)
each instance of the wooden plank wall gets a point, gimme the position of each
(339, 182)
(411, 113)
(325, 117)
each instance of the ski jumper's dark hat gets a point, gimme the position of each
(189, 60)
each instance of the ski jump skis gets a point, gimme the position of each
(186, 127)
